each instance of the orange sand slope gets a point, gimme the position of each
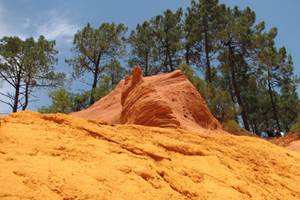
(165, 100)
(291, 141)
(63, 157)
(295, 145)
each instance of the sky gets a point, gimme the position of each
(60, 19)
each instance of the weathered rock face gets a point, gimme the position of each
(63, 157)
(107, 109)
(165, 100)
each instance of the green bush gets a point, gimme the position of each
(234, 128)
(296, 127)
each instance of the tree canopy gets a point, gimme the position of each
(94, 48)
(26, 65)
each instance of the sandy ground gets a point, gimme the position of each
(63, 157)
(295, 145)
(291, 141)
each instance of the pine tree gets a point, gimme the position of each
(25, 66)
(167, 30)
(143, 49)
(203, 22)
(95, 47)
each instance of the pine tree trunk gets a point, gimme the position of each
(17, 93)
(146, 65)
(273, 104)
(113, 80)
(187, 55)
(94, 86)
(170, 62)
(232, 97)
(26, 97)
(206, 46)
(208, 67)
(237, 89)
(95, 79)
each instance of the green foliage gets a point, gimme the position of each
(64, 101)
(295, 129)
(202, 25)
(167, 32)
(81, 100)
(114, 72)
(95, 45)
(27, 65)
(104, 87)
(220, 104)
(94, 48)
(143, 49)
(233, 127)
(61, 102)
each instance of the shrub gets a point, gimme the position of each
(234, 128)
(296, 127)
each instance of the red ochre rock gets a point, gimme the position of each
(164, 100)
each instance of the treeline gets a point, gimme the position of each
(230, 58)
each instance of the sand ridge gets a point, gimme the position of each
(63, 157)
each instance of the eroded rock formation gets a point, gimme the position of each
(165, 100)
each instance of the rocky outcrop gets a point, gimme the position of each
(165, 100)
(107, 109)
